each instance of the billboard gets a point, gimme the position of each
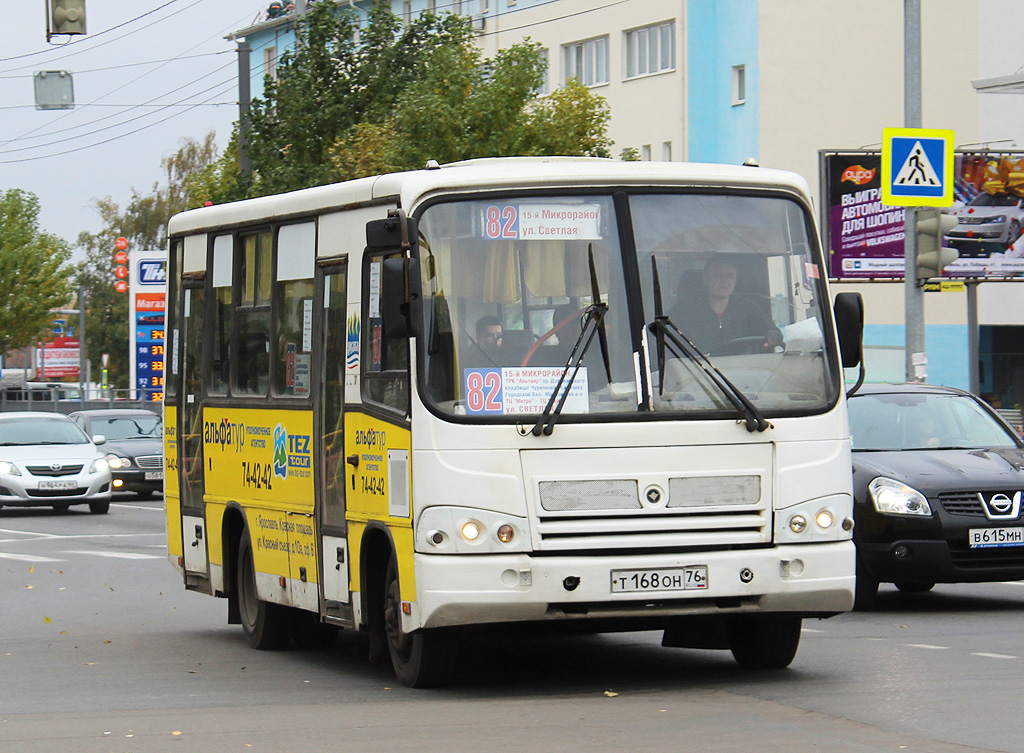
(147, 292)
(864, 237)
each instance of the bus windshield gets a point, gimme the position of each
(509, 292)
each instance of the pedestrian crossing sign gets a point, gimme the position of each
(917, 167)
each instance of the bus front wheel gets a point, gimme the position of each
(422, 658)
(266, 625)
(765, 641)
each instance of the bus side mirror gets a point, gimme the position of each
(399, 286)
(849, 313)
(399, 278)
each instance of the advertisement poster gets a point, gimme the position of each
(865, 237)
(147, 290)
(59, 359)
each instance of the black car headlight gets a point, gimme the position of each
(892, 497)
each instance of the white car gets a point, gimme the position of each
(47, 460)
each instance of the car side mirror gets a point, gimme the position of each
(98, 439)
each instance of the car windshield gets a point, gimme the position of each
(923, 421)
(128, 427)
(994, 200)
(508, 285)
(33, 431)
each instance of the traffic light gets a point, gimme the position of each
(932, 256)
(66, 17)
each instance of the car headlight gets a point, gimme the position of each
(996, 218)
(99, 465)
(892, 497)
(8, 468)
(116, 461)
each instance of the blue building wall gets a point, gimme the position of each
(945, 344)
(721, 34)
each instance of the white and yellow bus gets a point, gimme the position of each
(482, 394)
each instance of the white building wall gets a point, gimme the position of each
(644, 111)
(832, 75)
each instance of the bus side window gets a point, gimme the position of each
(385, 365)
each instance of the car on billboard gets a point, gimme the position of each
(986, 223)
(134, 445)
(938, 485)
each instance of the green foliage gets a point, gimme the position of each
(189, 172)
(630, 154)
(34, 276)
(403, 95)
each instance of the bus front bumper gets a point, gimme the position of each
(452, 590)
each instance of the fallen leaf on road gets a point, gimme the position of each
(47, 620)
(610, 693)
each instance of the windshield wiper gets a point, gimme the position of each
(663, 327)
(593, 324)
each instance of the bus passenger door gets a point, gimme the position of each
(335, 336)
(190, 433)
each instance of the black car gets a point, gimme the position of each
(938, 480)
(135, 449)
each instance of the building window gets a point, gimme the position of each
(645, 153)
(666, 151)
(739, 84)
(650, 50)
(270, 62)
(587, 61)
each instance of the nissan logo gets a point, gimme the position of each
(1001, 506)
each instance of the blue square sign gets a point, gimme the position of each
(917, 167)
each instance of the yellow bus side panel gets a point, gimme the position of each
(172, 501)
(263, 460)
(369, 489)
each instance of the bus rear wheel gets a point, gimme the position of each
(766, 641)
(267, 626)
(422, 658)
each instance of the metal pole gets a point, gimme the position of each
(244, 98)
(81, 346)
(973, 356)
(916, 359)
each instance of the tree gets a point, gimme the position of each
(144, 223)
(35, 277)
(404, 94)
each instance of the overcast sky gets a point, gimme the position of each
(137, 73)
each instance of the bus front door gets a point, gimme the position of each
(190, 435)
(339, 338)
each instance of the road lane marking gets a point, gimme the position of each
(136, 507)
(995, 656)
(48, 536)
(118, 555)
(928, 646)
(28, 557)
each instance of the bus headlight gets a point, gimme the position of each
(462, 530)
(815, 520)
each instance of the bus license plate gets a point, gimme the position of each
(978, 538)
(59, 485)
(694, 578)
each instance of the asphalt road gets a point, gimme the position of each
(102, 649)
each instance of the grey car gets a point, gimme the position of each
(47, 460)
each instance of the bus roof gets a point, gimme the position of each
(485, 174)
